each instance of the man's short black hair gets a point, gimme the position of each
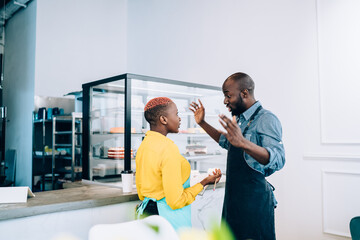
(244, 81)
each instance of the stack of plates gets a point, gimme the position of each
(118, 153)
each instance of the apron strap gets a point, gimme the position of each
(271, 186)
(140, 209)
(252, 119)
(272, 193)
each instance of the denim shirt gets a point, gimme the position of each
(265, 131)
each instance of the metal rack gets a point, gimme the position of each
(44, 134)
(75, 143)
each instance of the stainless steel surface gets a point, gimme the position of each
(68, 104)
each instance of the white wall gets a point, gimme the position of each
(19, 66)
(276, 42)
(339, 61)
(78, 42)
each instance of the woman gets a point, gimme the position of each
(162, 173)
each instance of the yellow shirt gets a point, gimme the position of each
(161, 172)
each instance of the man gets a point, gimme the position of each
(255, 151)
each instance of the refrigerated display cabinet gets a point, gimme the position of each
(114, 123)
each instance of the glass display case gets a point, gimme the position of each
(114, 123)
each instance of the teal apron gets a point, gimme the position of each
(179, 218)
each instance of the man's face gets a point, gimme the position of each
(232, 98)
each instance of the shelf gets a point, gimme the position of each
(143, 134)
(63, 132)
(37, 173)
(66, 132)
(109, 133)
(112, 159)
(101, 137)
(62, 145)
(141, 111)
(46, 156)
(118, 109)
(192, 114)
(200, 156)
(41, 121)
(97, 137)
(63, 120)
(190, 134)
(66, 157)
(77, 169)
(188, 157)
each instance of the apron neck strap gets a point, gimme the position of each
(251, 119)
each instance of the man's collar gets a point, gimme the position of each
(248, 113)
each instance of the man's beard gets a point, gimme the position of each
(239, 108)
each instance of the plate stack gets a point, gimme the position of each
(118, 153)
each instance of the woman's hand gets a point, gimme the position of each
(199, 111)
(212, 178)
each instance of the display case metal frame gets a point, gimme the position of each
(127, 77)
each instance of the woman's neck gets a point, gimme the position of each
(159, 129)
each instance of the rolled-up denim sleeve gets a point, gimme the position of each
(270, 137)
(223, 142)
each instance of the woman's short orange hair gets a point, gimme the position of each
(155, 108)
(156, 102)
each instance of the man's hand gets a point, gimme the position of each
(233, 131)
(199, 111)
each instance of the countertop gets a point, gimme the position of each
(77, 196)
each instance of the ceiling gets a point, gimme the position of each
(7, 9)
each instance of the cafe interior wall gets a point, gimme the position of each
(276, 42)
(78, 42)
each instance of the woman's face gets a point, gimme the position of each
(173, 119)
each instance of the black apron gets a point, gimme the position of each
(248, 204)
